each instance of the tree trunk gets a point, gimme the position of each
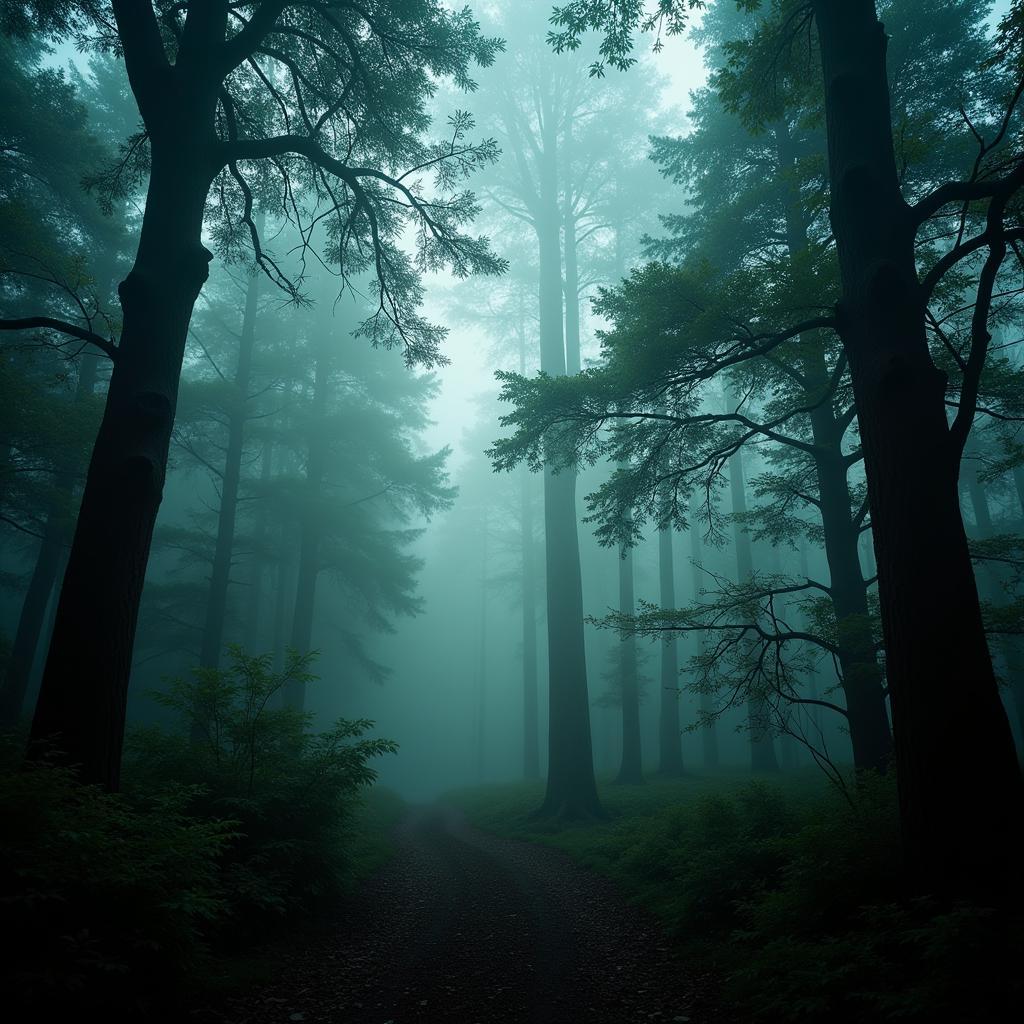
(254, 636)
(83, 697)
(30, 621)
(571, 789)
(45, 573)
(309, 528)
(481, 682)
(631, 766)
(959, 781)
(866, 714)
(531, 724)
(670, 747)
(531, 727)
(762, 746)
(223, 557)
(709, 732)
(991, 590)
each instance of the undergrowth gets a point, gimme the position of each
(793, 895)
(239, 824)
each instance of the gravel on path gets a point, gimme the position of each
(469, 928)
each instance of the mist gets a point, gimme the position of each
(512, 513)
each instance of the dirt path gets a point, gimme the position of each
(472, 929)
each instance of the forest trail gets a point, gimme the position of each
(470, 928)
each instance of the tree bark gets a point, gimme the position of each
(83, 697)
(866, 713)
(959, 781)
(670, 747)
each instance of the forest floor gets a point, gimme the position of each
(467, 927)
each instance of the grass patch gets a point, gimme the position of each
(792, 895)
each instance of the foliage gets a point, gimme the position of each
(108, 898)
(792, 894)
(115, 898)
(291, 790)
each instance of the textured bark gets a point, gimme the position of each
(223, 557)
(960, 814)
(83, 697)
(670, 747)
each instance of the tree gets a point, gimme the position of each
(49, 225)
(960, 817)
(324, 98)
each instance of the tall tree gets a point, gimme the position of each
(957, 830)
(327, 97)
(670, 748)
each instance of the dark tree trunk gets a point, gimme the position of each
(866, 715)
(83, 697)
(631, 766)
(254, 636)
(531, 726)
(959, 781)
(481, 682)
(223, 556)
(762, 745)
(30, 621)
(991, 590)
(531, 723)
(571, 789)
(309, 528)
(284, 585)
(670, 746)
(45, 573)
(709, 732)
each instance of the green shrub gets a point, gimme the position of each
(243, 821)
(104, 899)
(291, 791)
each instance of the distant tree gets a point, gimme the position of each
(574, 179)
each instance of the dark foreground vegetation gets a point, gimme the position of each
(240, 824)
(790, 894)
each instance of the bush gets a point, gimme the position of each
(289, 790)
(104, 899)
(238, 824)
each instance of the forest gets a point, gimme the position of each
(512, 513)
